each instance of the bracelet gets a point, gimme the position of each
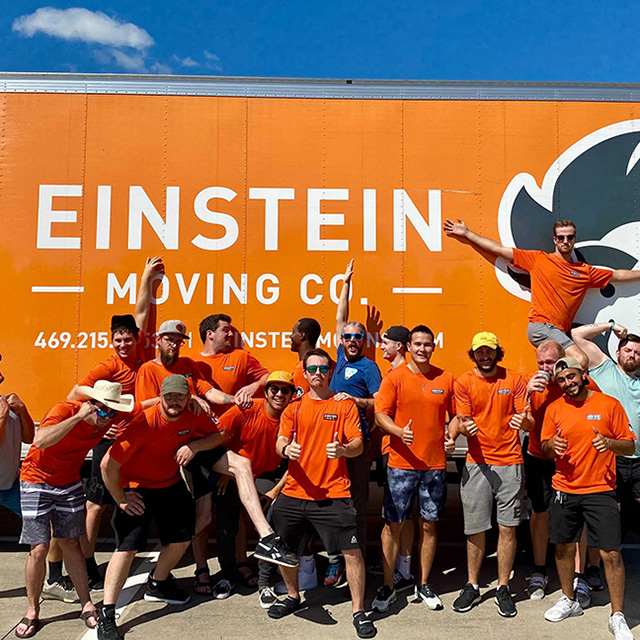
(284, 450)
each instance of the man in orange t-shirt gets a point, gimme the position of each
(51, 495)
(304, 336)
(412, 406)
(559, 283)
(585, 430)
(492, 407)
(317, 434)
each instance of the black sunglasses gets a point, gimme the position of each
(358, 337)
(569, 237)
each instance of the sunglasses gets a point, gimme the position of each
(358, 337)
(274, 390)
(178, 342)
(322, 368)
(569, 237)
(104, 413)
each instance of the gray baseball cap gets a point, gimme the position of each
(173, 326)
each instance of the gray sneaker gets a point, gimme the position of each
(61, 590)
(537, 585)
(582, 593)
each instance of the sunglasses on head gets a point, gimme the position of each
(353, 336)
(569, 237)
(322, 368)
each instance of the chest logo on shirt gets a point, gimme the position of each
(330, 416)
(349, 372)
(229, 368)
(575, 274)
(188, 375)
(184, 432)
(504, 392)
(438, 391)
(594, 416)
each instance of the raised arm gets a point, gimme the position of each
(53, 433)
(583, 337)
(153, 267)
(342, 312)
(625, 275)
(461, 232)
(26, 421)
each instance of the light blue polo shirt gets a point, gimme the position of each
(625, 389)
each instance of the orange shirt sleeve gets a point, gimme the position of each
(287, 421)
(524, 258)
(520, 395)
(100, 372)
(131, 440)
(599, 278)
(202, 386)
(386, 398)
(549, 428)
(145, 384)
(255, 370)
(59, 413)
(620, 426)
(462, 399)
(352, 429)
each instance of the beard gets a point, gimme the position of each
(168, 359)
(630, 366)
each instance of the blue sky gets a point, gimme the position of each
(584, 41)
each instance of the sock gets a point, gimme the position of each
(109, 610)
(578, 575)
(55, 572)
(307, 563)
(540, 568)
(270, 537)
(475, 586)
(403, 566)
(92, 567)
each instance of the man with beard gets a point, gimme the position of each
(355, 379)
(619, 380)
(412, 406)
(304, 336)
(558, 282)
(492, 407)
(585, 430)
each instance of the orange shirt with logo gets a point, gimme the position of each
(492, 402)
(582, 469)
(558, 287)
(253, 434)
(59, 465)
(147, 448)
(151, 374)
(425, 399)
(315, 422)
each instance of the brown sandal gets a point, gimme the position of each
(32, 624)
(88, 615)
(202, 587)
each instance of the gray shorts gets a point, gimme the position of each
(481, 484)
(47, 509)
(538, 332)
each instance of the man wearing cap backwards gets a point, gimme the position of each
(304, 336)
(128, 337)
(317, 434)
(558, 282)
(51, 494)
(585, 430)
(355, 379)
(492, 408)
(412, 406)
(251, 433)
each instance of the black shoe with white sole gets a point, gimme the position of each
(165, 591)
(506, 606)
(468, 598)
(272, 548)
(364, 627)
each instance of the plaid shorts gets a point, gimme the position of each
(46, 509)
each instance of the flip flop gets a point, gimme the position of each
(32, 624)
(202, 587)
(87, 615)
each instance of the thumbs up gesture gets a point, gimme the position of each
(335, 449)
(293, 449)
(600, 443)
(407, 433)
(449, 444)
(559, 444)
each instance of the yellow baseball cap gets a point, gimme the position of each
(484, 339)
(281, 376)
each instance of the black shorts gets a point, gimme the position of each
(333, 519)
(569, 512)
(203, 479)
(538, 473)
(627, 478)
(172, 508)
(94, 488)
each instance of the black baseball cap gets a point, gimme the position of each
(126, 321)
(398, 333)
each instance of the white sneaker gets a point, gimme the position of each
(267, 597)
(619, 627)
(563, 609)
(306, 580)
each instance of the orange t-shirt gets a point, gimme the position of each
(386, 438)
(558, 287)
(581, 469)
(315, 422)
(59, 465)
(302, 386)
(230, 371)
(492, 402)
(147, 448)
(151, 374)
(115, 369)
(253, 434)
(406, 395)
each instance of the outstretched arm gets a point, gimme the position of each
(342, 312)
(583, 337)
(482, 245)
(625, 275)
(153, 267)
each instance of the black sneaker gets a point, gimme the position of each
(429, 597)
(594, 579)
(165, 591)
(96, 583)
(107, 629)
(364, 626)
(272, 548)
(283, 608)
(222, 589)
(467, 599)
(385, 597)
(400, 583)
(506, 607)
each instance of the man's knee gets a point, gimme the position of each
(611, 558)
(69, 544)
(38, 552)
(238, 465)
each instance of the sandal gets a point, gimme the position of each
(32, 624)
(202, 587)
(247, 575)
(90, 615)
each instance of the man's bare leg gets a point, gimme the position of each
(93, 518)
(391, 533)
(354, 565)
(614, 572)
(428, 543)
(565, 564)
(35, 571)
(540, 537)
(506, 553)
(117, 573)
(169, 557)
(475, 554)
(200, 542)
(77, 570)
(290, 577)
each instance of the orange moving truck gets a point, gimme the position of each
(256, 193)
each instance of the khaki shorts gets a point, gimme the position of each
(481, 485)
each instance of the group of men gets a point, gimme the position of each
(168, 433)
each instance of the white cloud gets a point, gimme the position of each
(77, 23)
(160, 68)
(186, 62)
(213, 61)
(129, 62)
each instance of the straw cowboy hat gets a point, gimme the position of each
(110, 394)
